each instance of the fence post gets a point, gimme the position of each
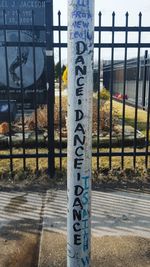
(80, 93)
(50, 83)
(144, 78)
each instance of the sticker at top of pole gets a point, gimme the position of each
(79, 123)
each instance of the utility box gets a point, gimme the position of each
(4, 110)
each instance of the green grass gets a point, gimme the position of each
(130, 116)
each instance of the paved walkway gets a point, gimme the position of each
(21, 211)
(113, 213)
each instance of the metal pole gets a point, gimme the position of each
(80, 92)
(50, 84)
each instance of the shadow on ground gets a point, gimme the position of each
(20, 226)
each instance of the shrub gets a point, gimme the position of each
(104, 115)
(42, 116)
(4, 128)
(104, 94)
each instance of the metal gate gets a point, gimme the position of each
(31, 37)
(27, 80)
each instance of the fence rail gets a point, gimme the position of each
(52, 149)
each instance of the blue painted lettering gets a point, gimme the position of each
(85, 261)
(80, 24)
(79, 3)
(81, 14)
(86, 182)
(85, 198)
(85, 241)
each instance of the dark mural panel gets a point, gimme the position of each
(20, 12)
(25, 7)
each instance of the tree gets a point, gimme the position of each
(59, 70)
(65, 76)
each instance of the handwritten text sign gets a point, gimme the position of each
(80, 88)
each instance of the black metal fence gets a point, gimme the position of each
(29, 41)
(111, 139)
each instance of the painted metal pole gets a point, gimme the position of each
(80, 93)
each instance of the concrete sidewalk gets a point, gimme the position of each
(116, 213)
(113, 213)
(22, 209)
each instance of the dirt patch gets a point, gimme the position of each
(106, 251)
(32, 181)
(138, 179)
(120, 252)
(22, 252)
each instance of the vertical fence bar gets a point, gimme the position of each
(111, 91)
(98, 90)
(8, 92)
(79, 165)
(137, 91)
(50, 84)
(35, 91)
(144, 78)
(60, 91)
(20, 83)
(148, 123)
(124, 90)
